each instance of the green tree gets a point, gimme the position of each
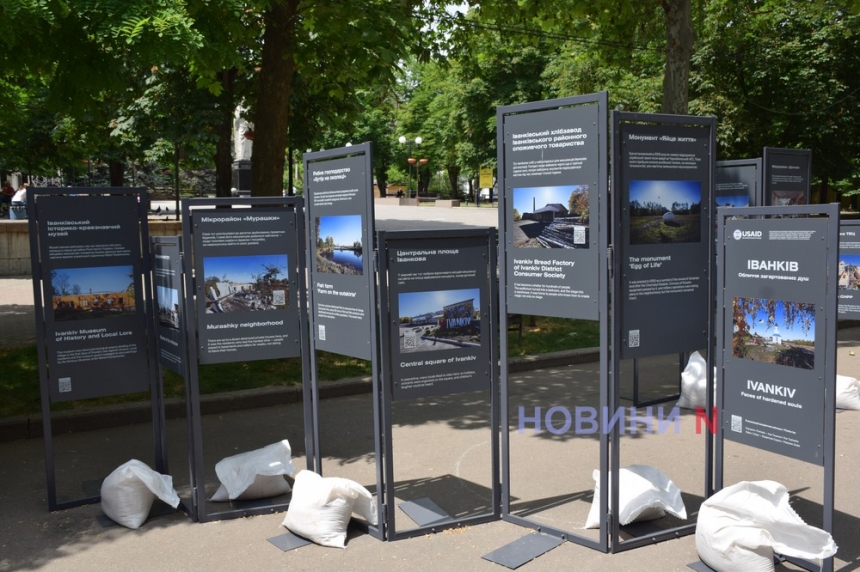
(783, 74)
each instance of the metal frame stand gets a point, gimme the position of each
(156, 395)
(428, 516)
(202, 510)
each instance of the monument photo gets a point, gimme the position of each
(665, 212)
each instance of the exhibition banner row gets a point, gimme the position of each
(258, 279)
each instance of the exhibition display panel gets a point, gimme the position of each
(89, 251)
(776, 338)
(244, 277)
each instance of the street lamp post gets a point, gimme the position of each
(411, 160)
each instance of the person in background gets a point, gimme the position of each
(6, 196)
(19, 199)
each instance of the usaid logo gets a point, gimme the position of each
(741, 234)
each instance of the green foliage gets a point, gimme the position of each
(782, 75)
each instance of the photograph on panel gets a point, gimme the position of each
(168, 306)
(665, 212)
(246, 283)
(774, 331)
(551, 217)
(339, 248)
(730, 199)
(93, 292)
(849, 272)
(785, 198)
(439, 320)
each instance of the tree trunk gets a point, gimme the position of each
(271, 116)
(223, 145)
(116, 169)
(382, 182)
(454, 180)
(423, 181)
(822, 195)
(680, 38)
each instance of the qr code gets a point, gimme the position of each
(410, 340)
(279, 297)
(65, 384)
(633, 339)
(737, 424)
(579, 235)
(322, 333)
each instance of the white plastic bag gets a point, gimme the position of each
(694, 383)
(128, 492)
(740, 527)
(644, 493)
(238, 473)
(847, 393)
(263, 487)
(321, 508)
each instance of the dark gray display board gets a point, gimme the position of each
(169, 302)
(738, 183)
(438, 302)
(786, 176)
(663, 178)
(848, 278)
(246, 284)
(775, 318)
(553, 159)
(553, 213)
(776, 338)
(440, 311)
(339, 221)
(89, 252)
(94, 309)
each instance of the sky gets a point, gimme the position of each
(416, 303)
(345, 229)
(243, 268)
(665, 192)
(733, 201)
(542, 196)
(100, 279)
(758, 325)
(853, 259)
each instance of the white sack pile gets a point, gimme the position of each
(321, 508)
(740, 528)
(644, 493)
(128, 492)
(255, 474)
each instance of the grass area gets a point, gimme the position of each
(20, 395)
(544, 335)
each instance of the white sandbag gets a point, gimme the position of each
(847, 393)
(238, 472)
(128, 492)
(644, 493)
(321, 508)
(740, 527)
(694, 383)
(263, 487)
